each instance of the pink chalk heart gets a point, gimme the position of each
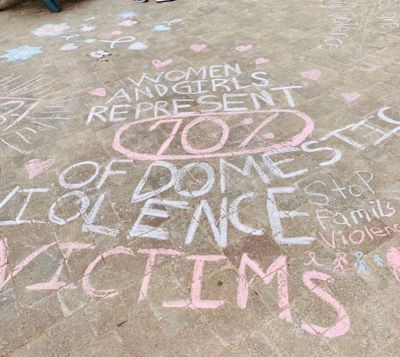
(116, 33)
(313, 74)
(351, 97)
(261, 60)
(36, 167)
(127, 23)
(244, 48)
(393, 261)
(160, 64)
(98, 92)
(247, 121)
(198, 47)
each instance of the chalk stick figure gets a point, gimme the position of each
(360, 264)
(313, 260)
(340, 261)
(378, 261)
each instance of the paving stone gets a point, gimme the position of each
(199, 178)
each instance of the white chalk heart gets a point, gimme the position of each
(313, 74)
(351, 97)
(138, 46)
(244, 48)
(198, 47)
(127, 23)
(98, 92)
(69, 47)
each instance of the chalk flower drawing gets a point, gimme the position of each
(127, 15)
(50, 30)
(99, 54)
(21, 53)
(87, 28)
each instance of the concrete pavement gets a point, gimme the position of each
(200, 178)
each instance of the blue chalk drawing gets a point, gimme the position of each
(90, 40)
(87, 28)
(127, 15)
(360, 264)
(161, 28)
(22, 53)
(378, 261)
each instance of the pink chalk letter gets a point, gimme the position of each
(151, 261)
(3, 260)
(20, 266)
(343, 324)
(278, 268)
(87, 285)
(54, 283)
(196, 302)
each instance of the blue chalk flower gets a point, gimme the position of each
(127, 15)
(21, 53)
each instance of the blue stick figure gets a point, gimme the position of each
(360, 264)
(378, 261)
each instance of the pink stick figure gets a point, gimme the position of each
(313, 260)
(340, 261)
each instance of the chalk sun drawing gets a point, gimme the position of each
(51, 30)
(29, 109)
(22, 53)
